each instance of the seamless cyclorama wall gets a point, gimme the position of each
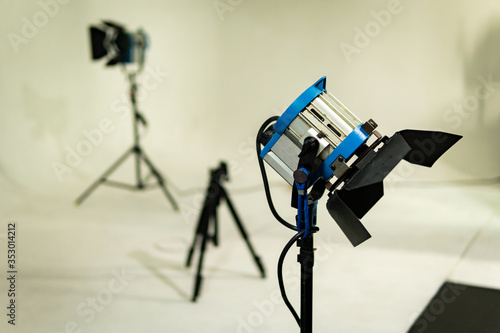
(216, 69)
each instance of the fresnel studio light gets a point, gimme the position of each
(318, 144)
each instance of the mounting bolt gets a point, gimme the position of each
(300, 176)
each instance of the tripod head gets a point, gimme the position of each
(220, 174)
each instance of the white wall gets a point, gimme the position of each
(224, 73)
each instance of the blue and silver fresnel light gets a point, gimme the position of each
(350, 158)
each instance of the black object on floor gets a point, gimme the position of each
(462, 309)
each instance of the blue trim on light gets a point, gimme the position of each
(313, 213)
(300, 205)
(306, 217)
(346, 148)
(129, 52)
(303, 207)
(293, 111)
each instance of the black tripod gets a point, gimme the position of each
(140, 156)
(207, 228)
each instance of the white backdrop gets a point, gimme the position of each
(217, 69)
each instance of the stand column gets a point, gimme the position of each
(135, 118)
(306, 260)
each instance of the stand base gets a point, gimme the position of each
(140, 157)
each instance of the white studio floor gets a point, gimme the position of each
(69, 258)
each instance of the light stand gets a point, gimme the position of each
(139, 154)
(207, 229)
(113, 42)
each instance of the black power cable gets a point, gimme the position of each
(280, 274)
(280, 220)
(264, 176)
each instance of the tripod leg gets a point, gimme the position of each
(161, 182)
(243, 233)
(202, 231)
(208, 214)
(202, 221)
(103, 177)
(191, 250)
(199, 277)
(215, 234)
(138, 177)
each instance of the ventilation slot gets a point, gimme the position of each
(334, 130)
(314, 112)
